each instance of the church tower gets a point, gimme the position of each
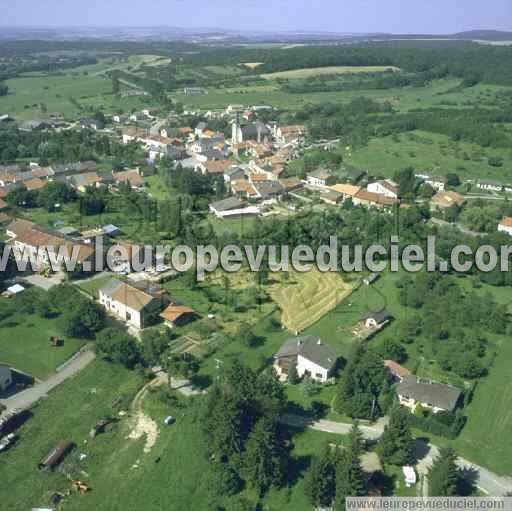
(236, 134)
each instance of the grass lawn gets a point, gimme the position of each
(304, 298)
(429, 152)
(68, 414)
(322, 71)
(92, 287)
(25, 344)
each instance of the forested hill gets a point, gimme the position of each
(462, 59)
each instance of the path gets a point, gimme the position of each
(28, 397)
(485, 480)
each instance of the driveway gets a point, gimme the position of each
(27, 398)
(487, 481)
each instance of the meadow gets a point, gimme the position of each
(429, 152)
(323, 71)
(25, 344)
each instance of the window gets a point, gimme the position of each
(319, 376)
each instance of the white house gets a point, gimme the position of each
(506, 225)
(437, 397)
(491, 186)
(386, 187)
(5, 377)
(129, 303)
(309, 354)
(320, 177)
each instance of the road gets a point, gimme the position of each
(28, 397)
(484, 479)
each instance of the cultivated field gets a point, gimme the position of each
(304, 298)
(331, 70)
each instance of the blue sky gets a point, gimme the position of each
(398, 16)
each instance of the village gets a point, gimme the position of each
(246, 388)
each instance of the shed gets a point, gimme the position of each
(16, 289)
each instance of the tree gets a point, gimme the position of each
(452, 180)
(117, 346)
(293, 375)
(115, 85)
(320, 480)
(245, 335)
(395, 445)
(264, 456)
(153, 345)
(83, 319)
(444, 477)
(350, 478)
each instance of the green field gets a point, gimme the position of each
(68, 414)
(322, 71)
(25, 344)
(429, 152)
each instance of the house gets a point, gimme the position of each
(346, 190)
(111, 230)
(82, 181)
(194, 91)
(137, 116)
(386, 187)
(331, 197)
(320, 177)
(291, 183)
(35, 184)
(506, 225)
(488, 185)
(5, 377)
(120, 119)
(438, 183)
(268, 190)
(243, 188)
(376, 319)
(311, 356)
(397, 371)
(135, 306)
(233, 174)
(29, 239)
(444, 200)
(132, 177)
(198, 131)
(370, 199)
(177, 315)
(253, 131)
(91, 124)
(290, 134)
(216, 166)
(437, 397)
(232, 207)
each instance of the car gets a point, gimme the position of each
(169, 420)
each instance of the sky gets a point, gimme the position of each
(341, 16)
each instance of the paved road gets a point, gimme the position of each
(372, 432)
(485, 480)
(27, 398)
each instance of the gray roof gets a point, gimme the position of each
(67, 231)
(436, 394)
(110, 287)
(254, 130)
(379, 316)
(227, 204)
(321, 174)
(268, 188)
(234, 171)
(201, 126)
(311, 348)
(111, 229)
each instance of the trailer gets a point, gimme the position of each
(56, 455)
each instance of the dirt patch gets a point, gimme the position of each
(145, 426)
